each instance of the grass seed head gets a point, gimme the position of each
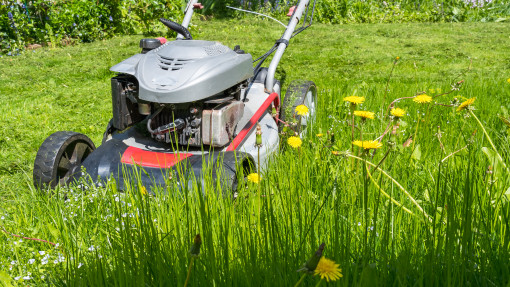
(195, 248)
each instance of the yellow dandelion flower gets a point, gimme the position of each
(368, 144)
(328, 269)
(397, 112)
(254, 177)
(422, 99)
(301, 110)
(143, 190)
(364, 114)
(397, 58)
(466, 104)
(508, 80)
(294, 142)
(320, 135)
(334, 152)
(354, 100)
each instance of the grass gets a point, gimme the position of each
(111, 238)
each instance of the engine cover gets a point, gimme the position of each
(186, 71)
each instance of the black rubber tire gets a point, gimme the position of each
(243, 169)
(59, 158)
(237, 165)
(294, 96)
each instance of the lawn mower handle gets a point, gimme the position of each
(187, 16)
(283, 42)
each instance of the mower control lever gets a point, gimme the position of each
(177, 28)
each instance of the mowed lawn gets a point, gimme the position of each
(461, 235)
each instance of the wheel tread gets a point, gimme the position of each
(46, 160)
(294, 96)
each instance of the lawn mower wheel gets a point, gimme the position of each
(60, 157)
(298, 93)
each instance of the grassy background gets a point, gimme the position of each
(323, 199)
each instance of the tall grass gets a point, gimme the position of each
(308, 197)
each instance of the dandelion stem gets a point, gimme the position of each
(286, 124)
(398, 184)
(387, 112)
(416, 132)
(352, 134)
(453, 153)
(319, 283)
(388, 81)
(258, 185)
(488, 137)
(300, 280)
(361, 149)
(427, 114)
(23, 237)
(458, 139)
(453, 88)
(365, 204)
(387, 195)
(384, 158)
(189, 271)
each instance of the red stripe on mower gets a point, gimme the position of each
(134, 155)
(253, 121)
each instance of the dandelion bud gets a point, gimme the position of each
(312, 263)
(408, 142)
(258, 138)
(195, 248)
(394, 131)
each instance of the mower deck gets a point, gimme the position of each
(131, 154)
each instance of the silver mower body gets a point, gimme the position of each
(179, 105)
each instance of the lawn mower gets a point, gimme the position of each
(180, 106)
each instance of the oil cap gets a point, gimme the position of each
(149, 44)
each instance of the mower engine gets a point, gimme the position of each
(189, 91)
(209, 122)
